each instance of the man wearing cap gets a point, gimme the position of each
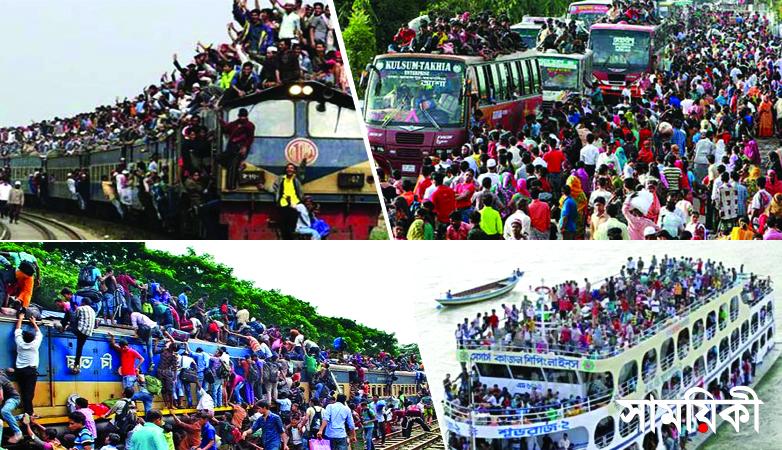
(492, 174)
(241, 134)
(15, 203)
(128, 368)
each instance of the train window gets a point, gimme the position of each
(527, 373)
(273, 118)
(333, 122)
(493, 370)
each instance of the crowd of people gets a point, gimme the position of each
(270, 407)
(680, 161)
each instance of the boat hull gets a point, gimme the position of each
(455, 301)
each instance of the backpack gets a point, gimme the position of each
(27, 268)
(87, 276)
(316, 420)
(269, 372)
(310, 364)
(224, 371)
(146, 308)
(189, 375)
(154, 385)
(253, 373)
(124, 421)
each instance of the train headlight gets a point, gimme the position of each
(307, 90)
(295, 90)
(378, 149)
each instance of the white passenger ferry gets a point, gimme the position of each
(703, 345)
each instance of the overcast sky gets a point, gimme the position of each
(63, 57)
(343, 279)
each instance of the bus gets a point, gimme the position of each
(418, 104)
(622, 54)
(588, 11)
(317, 128)
(528, 32)
(563, 75)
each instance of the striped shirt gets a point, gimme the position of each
(673, 176)
(85, 320)
(255, 346)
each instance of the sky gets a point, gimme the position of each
(341, 279)
(64, 57)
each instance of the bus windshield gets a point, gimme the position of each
(559, 74)
(416, 91)
(622, 50)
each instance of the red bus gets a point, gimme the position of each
(623, 53)
(417, 104)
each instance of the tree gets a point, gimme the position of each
(60, 264)
(359, 37)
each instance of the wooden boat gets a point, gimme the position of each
(481, 293)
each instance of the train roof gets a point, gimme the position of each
(623, 26)
(321, 91)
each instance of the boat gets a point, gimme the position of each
(704, 345)
(481, 293)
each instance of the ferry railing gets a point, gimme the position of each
(667, 362)
(711, 364)
(649, 373)
(687, 378)
(697, 340)
(724, 352)
(745, 333)
(683, 350)
(594, 353)
(734, 345)
(711, 331)
(723, 322)
(531, 414)
(628, 386)
(754, 327)
(604, 440)
(734, 314)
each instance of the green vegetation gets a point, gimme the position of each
(60, 263)
(361, 18)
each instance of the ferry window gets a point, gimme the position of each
(273, 118)
(333, 122)
(561, 376)
(483, 83)
(604, 432)
(527, 373)
(518, 81)
(493, 370)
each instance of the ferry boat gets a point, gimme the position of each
(701, 346)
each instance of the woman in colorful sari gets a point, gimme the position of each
(765, 119)
(420, 229)
(581, 203)
(751, 182)
(752, 152)
(621, 158)
(742, 232)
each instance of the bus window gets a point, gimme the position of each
(473, 80)
(490, 83)
(513, 75)
(273, 118)
(483, 83)
(526, 76)
(535, 68)
(324, 124)
(499, 90)
(502, 70)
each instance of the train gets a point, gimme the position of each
(310, 124)
(99, 379)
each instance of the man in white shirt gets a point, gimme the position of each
(589, 154)
(519, 215)
(304, 223)
(491, 165)
(5, 192)
(290, 28)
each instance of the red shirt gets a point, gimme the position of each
(554, 160)
(494, 321)
(458, 235)
(404, 37)
(444, 201)
(127, 361)
(421, 187)
(461, 188)
(540, 215)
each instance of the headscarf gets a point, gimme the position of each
(775, 207)
(621, 158)
(752, 153)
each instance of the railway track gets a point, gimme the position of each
(48, 229)
(417, 441)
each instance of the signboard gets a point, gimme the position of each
(623, 44)
(559, 63)
(526, 359)
(432, 73)
(503, 432)
(588, 9)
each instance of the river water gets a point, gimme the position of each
(555, 262)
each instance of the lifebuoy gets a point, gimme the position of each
(542, 290)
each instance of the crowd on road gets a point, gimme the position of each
(683, 158)
(256, 374)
